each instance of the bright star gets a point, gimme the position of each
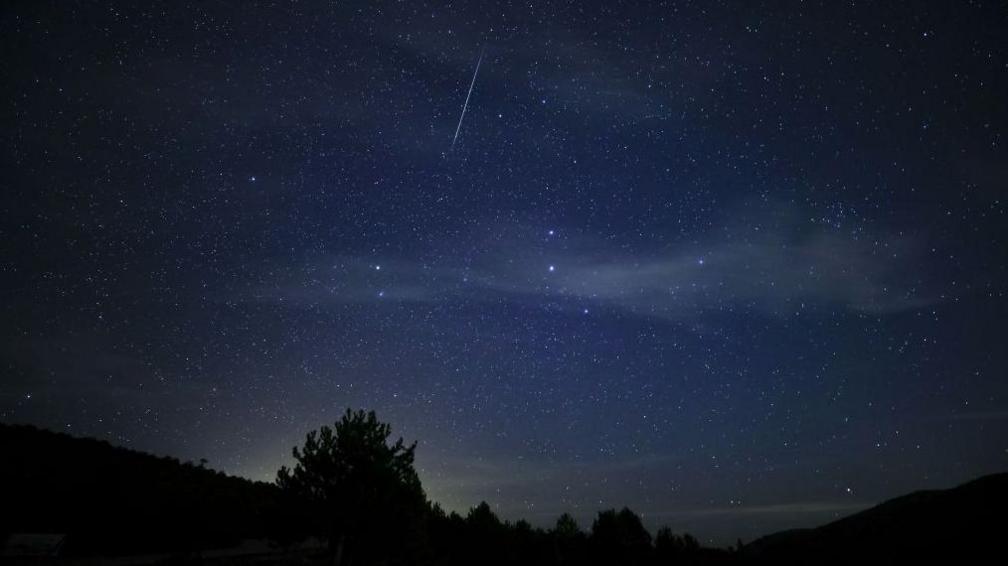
(552, 268)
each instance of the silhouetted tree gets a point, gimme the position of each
(566, 527)
(481, 519)
(568, 541)
(362, 490)
(484, 531)
(671, 548)
(620, 538)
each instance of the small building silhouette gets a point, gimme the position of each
(38, 545)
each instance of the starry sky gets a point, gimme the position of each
(740, 266)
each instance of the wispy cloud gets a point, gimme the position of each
(771, 274)
(355, 280)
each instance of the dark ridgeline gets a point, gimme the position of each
(353, 488)
(962, 525)
(112, 500)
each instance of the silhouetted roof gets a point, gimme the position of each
(33, 544)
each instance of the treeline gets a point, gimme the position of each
(615, 537)
(357, 489)
(357, 493)
(115, 501)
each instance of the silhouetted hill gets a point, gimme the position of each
(951, 526)
(111, 500)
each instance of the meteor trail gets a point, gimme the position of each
(466, 105)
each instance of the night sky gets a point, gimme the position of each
(739, 266)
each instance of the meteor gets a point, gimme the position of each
(466, 105)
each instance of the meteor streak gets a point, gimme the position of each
(466, 105)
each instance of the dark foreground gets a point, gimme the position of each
(81, 501)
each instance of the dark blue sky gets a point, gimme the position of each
(738, 266)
